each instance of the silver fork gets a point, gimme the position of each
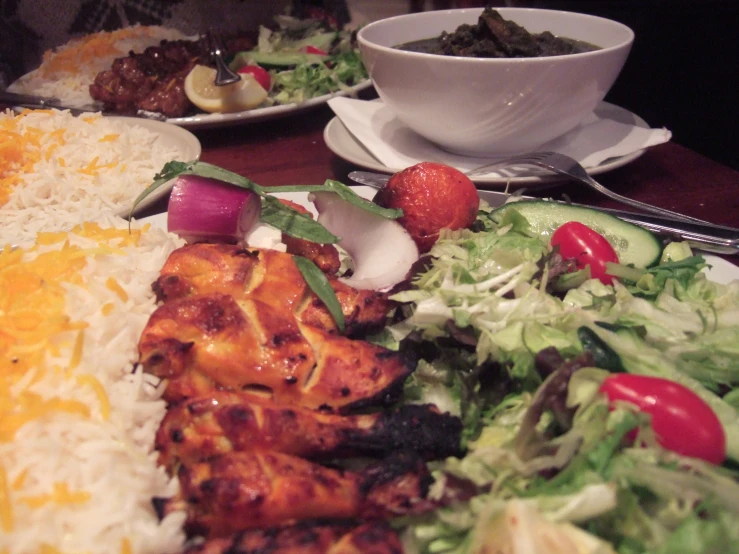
(214, 44)
(564, 165)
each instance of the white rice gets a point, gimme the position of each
(97, 165)
(68, 71)
(111, 460)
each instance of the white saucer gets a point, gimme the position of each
(342, 143)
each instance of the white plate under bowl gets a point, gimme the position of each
(204, 121)
(170, 136)
(342, 143)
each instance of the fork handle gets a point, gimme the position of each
(643, 206)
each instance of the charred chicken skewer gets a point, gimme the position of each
(370, 538)
(208, 341)
(308, 538)
(270, 277)
(224, 422)
(253, 362)
(258, 489)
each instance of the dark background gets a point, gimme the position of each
(683, 70)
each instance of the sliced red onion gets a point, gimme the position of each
(381, 249)
(208, 209)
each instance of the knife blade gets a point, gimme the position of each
(43, 102)
(718, 239)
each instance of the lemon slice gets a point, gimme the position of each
(201, 90)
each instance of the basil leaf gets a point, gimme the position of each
(352, 197)
(293, 223)
(210, 171)
(346, 193)
(319, 284)
(174, 169)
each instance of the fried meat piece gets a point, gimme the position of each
(304, 538)
(261, 489)
(364, 311)
(212, 341)
(152, 80)
(370, 538)
(325, 256)
(269, 276)
(223, 422)
(308, 538)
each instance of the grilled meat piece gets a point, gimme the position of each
(364, 311)
(210, 340)
(152, 81)
(258, 489)
(325, 256)
(269, 276)
(396, 486)
(370, 538)
(223, 422)
(207, 341)
(308, 538)
(304, 538)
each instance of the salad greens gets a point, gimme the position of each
(305, 60)
(558, 469)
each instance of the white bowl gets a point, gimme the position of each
(493, 106)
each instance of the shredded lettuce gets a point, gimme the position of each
(308, 75)
(545, 447)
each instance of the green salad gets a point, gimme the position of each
(305, 59)
(560, 459)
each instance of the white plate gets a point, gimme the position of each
(169, 135)
(719, 270)
(342, 143)
(203, 121)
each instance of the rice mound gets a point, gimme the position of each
(77, 418)
(57, 169)
(68, 71)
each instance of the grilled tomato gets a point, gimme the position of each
(433, 197)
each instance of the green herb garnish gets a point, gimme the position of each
(318, 283)
(274, 212)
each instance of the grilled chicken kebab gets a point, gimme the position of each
(264, 390)
(224, 422)
(308, 537)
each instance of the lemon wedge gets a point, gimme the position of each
(201, 90)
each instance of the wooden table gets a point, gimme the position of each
(292, 151)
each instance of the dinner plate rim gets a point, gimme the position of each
(215, 120)
(184, 140)
(337, 137)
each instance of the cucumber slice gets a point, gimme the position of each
(633, 244)
(276, 59)
(605, 357)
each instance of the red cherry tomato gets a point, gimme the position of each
(587, 247)
(260, 74)
(314, 50)
(682, 421)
